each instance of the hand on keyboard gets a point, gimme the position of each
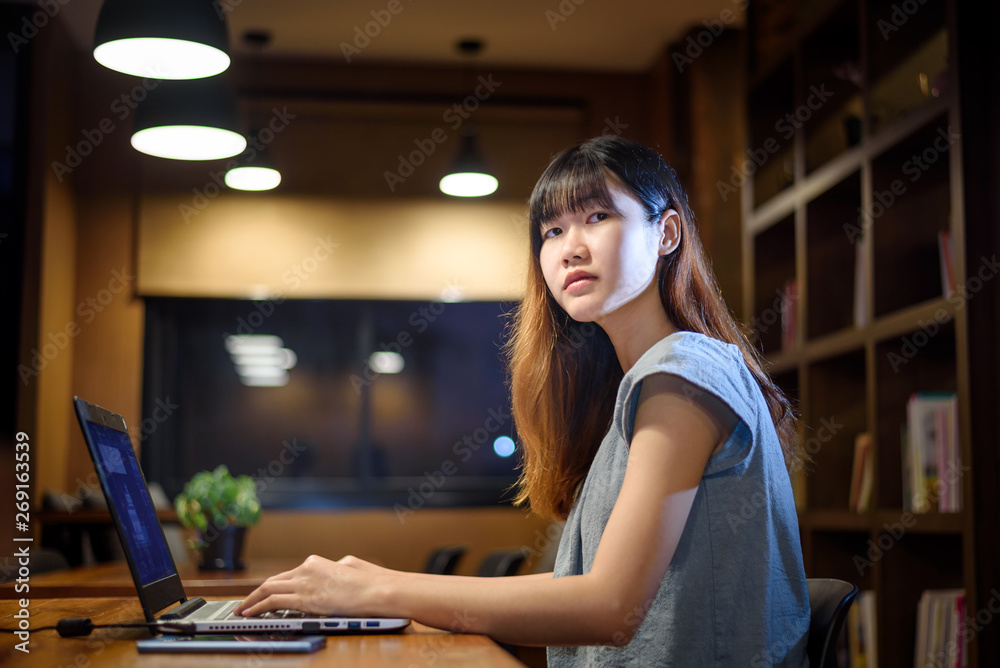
(281, 614)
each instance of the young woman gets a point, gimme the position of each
(681, 543)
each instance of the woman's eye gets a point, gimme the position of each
(597, 217)
(551, 232)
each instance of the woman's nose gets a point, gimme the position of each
(574, 245)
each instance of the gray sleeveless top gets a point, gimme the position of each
(735, 592)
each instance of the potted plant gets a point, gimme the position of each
(220, 507)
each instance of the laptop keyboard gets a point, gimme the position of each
(225, 613)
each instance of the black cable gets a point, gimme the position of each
(72, 627)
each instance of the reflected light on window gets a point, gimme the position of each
(385, 362)
(261, 360)
(504, 446)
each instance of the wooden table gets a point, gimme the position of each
(417, 646)
(114, 579)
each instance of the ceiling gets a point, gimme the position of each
(602, 35)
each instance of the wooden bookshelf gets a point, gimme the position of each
(875, 101)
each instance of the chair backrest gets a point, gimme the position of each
(829, 602)
(502, 563)
(444, 560)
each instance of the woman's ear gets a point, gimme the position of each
(669, 228)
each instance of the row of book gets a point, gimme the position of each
(862, 636)
(940, 639)
(932, 471)
(931, 458)
(940, 631)
(790, 297)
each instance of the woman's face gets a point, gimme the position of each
(595, 261)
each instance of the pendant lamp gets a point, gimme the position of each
(188, 120)
(162, 39)
(256, 170)
(469, 176)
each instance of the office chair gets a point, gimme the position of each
(829, 602)
(502, 563)
(444, 560)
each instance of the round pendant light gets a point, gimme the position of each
(162, 39)
(469, 176)
(188, 120)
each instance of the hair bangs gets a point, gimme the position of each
(574, 181)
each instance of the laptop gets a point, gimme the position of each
(153, 570)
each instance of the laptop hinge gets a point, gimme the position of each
(184, 609)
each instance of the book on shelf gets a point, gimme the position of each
(930, 454)
(947, 264)
(862, 473)
(940, 630)
(789, 315)
(861, 632)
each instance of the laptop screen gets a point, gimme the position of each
(115, 462)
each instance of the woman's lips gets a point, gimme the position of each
(580, 283)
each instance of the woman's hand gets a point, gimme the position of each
(318, 586)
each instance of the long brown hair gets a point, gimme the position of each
(564, 373)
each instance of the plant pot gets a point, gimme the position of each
(222, 549)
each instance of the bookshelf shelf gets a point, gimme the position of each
(862, 222)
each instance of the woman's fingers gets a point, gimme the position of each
(273, 602)
(272, 586)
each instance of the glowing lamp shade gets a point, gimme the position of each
(469, 176)
(255, 169)
(188, 120)
(468, 184)
(162, 39)
(253, 178)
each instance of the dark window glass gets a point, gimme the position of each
(339, 431)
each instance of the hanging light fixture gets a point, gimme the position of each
(188, 120)
(469, 176)
(162, 39)
(256, 170)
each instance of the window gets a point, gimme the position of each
(340, 427)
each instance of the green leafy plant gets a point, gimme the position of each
(214, 500)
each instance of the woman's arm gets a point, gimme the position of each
(355, 562)
(674, 436)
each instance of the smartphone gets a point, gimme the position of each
(262, 646)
